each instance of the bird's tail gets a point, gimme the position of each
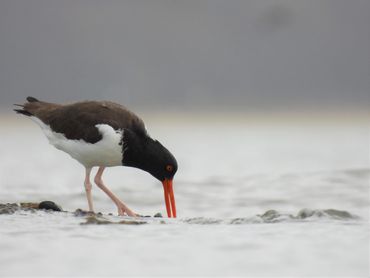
(25, 107)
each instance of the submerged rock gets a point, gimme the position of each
(339, 213)
(29, 205)
(81, 212)
(8, 208)
(331, 213)
(93, 219)
(203, 221)
(305, 213)
(272, 216)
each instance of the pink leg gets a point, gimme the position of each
(88, 187)
(122, 208)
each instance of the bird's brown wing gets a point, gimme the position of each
(78, 120)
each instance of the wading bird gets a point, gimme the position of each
(104, 134)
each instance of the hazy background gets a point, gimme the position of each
(248, 56)
(265, 105)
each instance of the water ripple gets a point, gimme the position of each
(270, 216)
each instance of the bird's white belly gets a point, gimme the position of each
(107, 152)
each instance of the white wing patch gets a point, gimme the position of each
(106, 152)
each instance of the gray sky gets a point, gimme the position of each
(247, 55)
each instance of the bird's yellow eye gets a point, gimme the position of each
(169, 168)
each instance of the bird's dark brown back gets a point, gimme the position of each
(78, 120)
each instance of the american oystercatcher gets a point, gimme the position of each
(104, 134)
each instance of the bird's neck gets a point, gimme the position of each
(134, 150)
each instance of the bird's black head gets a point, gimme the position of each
(143, 152)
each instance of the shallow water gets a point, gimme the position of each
(252, 200)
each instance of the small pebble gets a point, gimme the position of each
(49, 205)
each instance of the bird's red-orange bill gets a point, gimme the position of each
(169, 198)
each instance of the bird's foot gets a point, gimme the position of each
(125, 211)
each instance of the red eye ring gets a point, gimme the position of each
(169, 168)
